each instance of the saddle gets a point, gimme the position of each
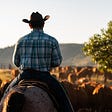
(42, 85)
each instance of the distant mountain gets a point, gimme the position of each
(6, 56)
(72, 56)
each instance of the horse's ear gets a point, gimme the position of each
(46, 17)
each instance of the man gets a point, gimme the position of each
(36, 54)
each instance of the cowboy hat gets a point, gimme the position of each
(36, 17)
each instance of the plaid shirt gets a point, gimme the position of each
(37, 50)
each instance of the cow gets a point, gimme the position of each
(72, 77)
(103, 95)
(14, 72)
(77, 95)
(87, 71)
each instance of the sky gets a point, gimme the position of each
(71, 21)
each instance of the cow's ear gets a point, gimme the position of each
(46, 17)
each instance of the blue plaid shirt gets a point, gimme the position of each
(38, 51)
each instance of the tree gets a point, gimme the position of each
(99, 48)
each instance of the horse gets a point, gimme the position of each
(29, 96)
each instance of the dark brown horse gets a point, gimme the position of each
(29, 96)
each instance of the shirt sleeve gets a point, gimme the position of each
(56, 57)
(16, 56)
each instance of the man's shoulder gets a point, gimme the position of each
(23, 37)
(49, 37)
(42, 36)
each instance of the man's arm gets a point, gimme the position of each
(16, 56)
(56, 56)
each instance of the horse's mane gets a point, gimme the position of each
(14, 102)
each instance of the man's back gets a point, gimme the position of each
(37, 50)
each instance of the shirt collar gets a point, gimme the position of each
(37, 30)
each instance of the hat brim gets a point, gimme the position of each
(26, 21)
(45, 18)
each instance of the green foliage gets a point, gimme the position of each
(99, 48)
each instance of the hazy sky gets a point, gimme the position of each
(71, 21)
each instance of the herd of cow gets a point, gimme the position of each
(85, 95)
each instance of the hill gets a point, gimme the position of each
(72, 56)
